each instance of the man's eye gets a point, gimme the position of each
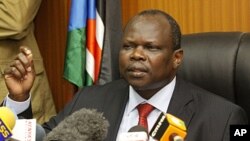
(127, 46)
(150, 47)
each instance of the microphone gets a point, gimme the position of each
(136, 133)
(40, 133)
(82, 125)
(7, 123)
(28, 130)
(168, 128)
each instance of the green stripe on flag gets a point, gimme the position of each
(75, 56)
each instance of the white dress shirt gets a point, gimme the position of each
(15, 106)
(160, 101)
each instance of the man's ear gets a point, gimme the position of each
(178, 56)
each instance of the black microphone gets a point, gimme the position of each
(136, 133)
(82, 125)
(138, 128)
(40, 132)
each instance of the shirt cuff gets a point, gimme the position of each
(17, 107)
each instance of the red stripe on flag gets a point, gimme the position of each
(93, 46)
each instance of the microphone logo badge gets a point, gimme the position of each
(168, 127)
(4, 130)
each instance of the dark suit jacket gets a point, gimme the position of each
(206, 115)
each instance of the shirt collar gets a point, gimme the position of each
(160, 100)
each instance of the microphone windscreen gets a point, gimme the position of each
(82, 125)
(8, 117)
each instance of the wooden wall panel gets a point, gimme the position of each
(197, 15)
(193, 16)
(51, 30)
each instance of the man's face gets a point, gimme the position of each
(147, 58)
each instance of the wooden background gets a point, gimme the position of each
(192, 15)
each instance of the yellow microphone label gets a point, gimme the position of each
(167, 127)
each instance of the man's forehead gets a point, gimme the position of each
(146, 21)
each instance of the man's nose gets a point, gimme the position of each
(138, 54)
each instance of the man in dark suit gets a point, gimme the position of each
(148, 59)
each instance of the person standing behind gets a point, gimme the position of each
(17, 29)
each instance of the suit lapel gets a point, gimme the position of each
(181, 105)
(114, 108)
(182, 102)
